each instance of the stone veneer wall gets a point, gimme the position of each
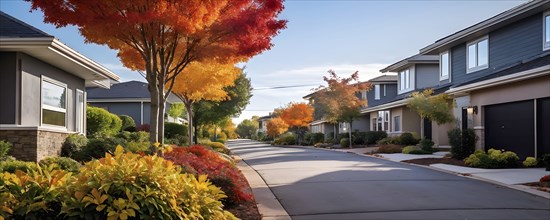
(33, 145)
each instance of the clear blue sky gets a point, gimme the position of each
(341, 35)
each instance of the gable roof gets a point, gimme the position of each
(482, 28)
(416, 59)
(18, 36)
(384, 79)
(131, 90)
(10, 27)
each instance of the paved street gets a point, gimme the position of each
(320, 184)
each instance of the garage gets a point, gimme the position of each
(511, 126)
(543, 126)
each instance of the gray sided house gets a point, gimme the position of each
(414, 74)
(43, 89)
(262, 122)
(500, 75)
(128, 98)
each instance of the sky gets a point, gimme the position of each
(342, 35)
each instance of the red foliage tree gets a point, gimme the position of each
(161, 37)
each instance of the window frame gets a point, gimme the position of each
(477, 67)
(410, 78)
(53, 108)
(448, 76)
(376, 91)
(545, 44)
(80, 114)
(396, 118)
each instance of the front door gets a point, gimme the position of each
(427, 129)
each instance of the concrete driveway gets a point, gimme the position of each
(320, 184)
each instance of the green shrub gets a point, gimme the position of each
(100, 121)
(545, 159)
(493, 159)
(407, 139)
(408, 149)
(372, 137)
(420, 152)
(63, 163)
(530, 162)
(4, 148)
(178, 140)
(159, 190)
(389, 140)
(426, 145)
(73, 143)
(285, 139)
(173, 129)
(389, 149)
(11, 166)
(344, 142)
(217, 146)
(313, 138)
(128, 123)
(97, 147)
(463, 143)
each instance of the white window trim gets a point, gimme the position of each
(545, 44)
(81, 113)
(42, 106)
(411, 80)
(441, 77)
(393, 121)
(477, 68)
(384, 90)
(377, 92)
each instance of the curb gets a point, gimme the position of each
(268, 205)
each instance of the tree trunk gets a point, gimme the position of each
(189, 108)
(350, 141)
(335, 135)
(162, 106)
(215, 133)
(153, 124)
(196, 137)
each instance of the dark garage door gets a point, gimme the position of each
(510, 126)
(543, 126)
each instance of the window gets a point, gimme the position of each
(397, 123)
(384, 90)
(374, 123)
(546, 31)
(376, 92)
(381, 123)
(54, 100)
(406, 80)
(444, 66)
(364, 95)
(478, 54)
(80, 111)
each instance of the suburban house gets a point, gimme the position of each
(129, 98)
(43, 89)
(499, 71)
(384, 89)
(414, 74)
(262, 122)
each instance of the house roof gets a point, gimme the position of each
(131, 90)
(416, 59)
(18, 36)
(482, 28)
(384, 78)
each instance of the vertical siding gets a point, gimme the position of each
(8, 62)
(508, 46)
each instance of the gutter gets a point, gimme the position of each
(394, 104)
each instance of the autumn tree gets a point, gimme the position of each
(276, 127)
(339, 99)
(161, 37)
(247, 128)
(204, 81)
(297, 116)
(207, 112)
(433, 107)
(176, 110)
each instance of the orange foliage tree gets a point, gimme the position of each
(339, 98)
(276, 127)
(297, 116)
(161, 37)
(204, 81)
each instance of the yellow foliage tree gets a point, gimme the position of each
(276, 127)
(204, 81)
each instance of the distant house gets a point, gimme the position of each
(262, 122)
(128, 98)
(43, 89)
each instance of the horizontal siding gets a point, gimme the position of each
(427, 76)
(391, 92)
(508, 46)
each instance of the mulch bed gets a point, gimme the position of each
(538, 186)
(430, 161)
(246, 211)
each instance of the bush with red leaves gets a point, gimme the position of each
(144, 127)
(220, 172)
(545, 179)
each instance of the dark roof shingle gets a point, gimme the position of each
(131, 89)
(11, 27)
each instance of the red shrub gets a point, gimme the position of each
(545, 179)
(144, 127)
(220, 172)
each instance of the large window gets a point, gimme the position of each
(406, 80)
(444, 66)
(54, 103)
(546, 31)
(382, 122)
(376, 92)
(478, 54)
